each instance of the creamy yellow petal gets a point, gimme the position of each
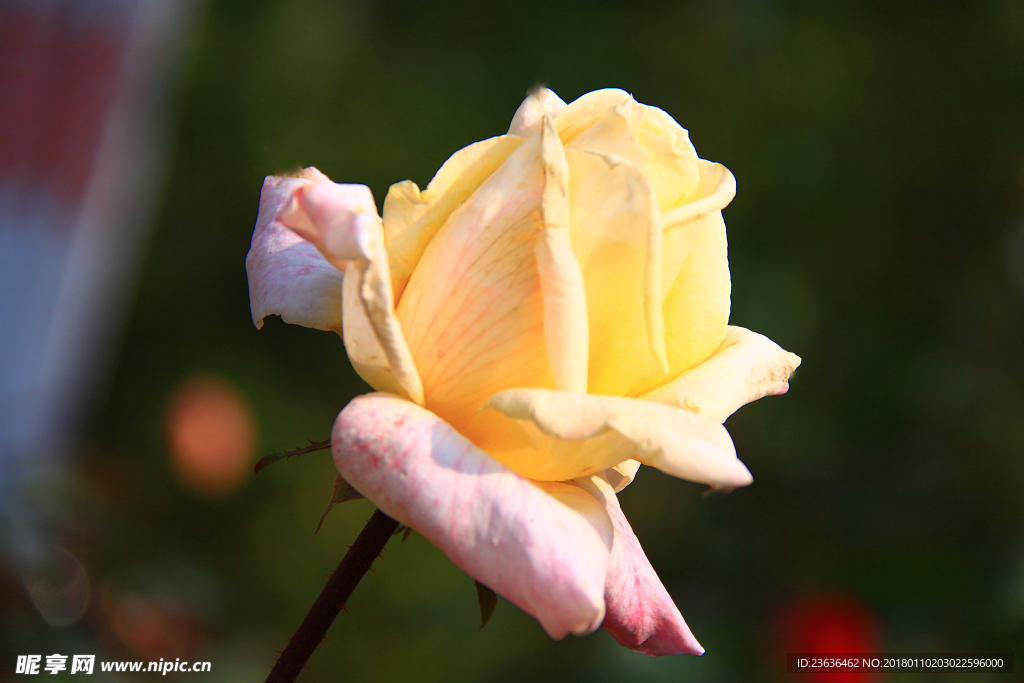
(684, 224)
(746, 367)
(681, 330)
(561, 280)
(587, 110)
(538, 104)
(342, 222)
(715, 189)
(473, 310)
(697, 306)
(617, 239)
(372, 333)
(659, 122)
(695, 275)
(676, 441)
(524, 447)
(611, 133)
(650, 139)
(671, 165)
(412, 217)
(620, 476)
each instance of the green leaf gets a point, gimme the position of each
(343, 491)
(282, 455)
(488, 600)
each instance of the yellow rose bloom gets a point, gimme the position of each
(548, 313)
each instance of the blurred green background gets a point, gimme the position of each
(878, 232)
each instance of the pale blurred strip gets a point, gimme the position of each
(84, 87)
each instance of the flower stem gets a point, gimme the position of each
(357, 561)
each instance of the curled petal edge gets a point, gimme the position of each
(287, 275)
(676, 441)
(745, 367)
(538, 104)
(718, 187)
(622, 475)
(342, 222)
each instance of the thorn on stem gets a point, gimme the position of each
(282, 455)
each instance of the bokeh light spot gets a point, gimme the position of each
(212, 433)
(832, 625)
(151, 626)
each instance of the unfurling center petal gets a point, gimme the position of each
(497, 298)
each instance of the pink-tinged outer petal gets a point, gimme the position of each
(499, 528)
(338, 218)
(287, 275)
(532, 111)
(582, 501)
(342, 221)
(747, 366)
(640, 613)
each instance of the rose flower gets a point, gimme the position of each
(547, 315)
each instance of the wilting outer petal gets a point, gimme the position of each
(287, 275)
(339, 219)
(412, 217)
(676, 441)
(540, 554)
(342, 221)
(590, 507)
(532, 111)
(640, 613)
(746, 367)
